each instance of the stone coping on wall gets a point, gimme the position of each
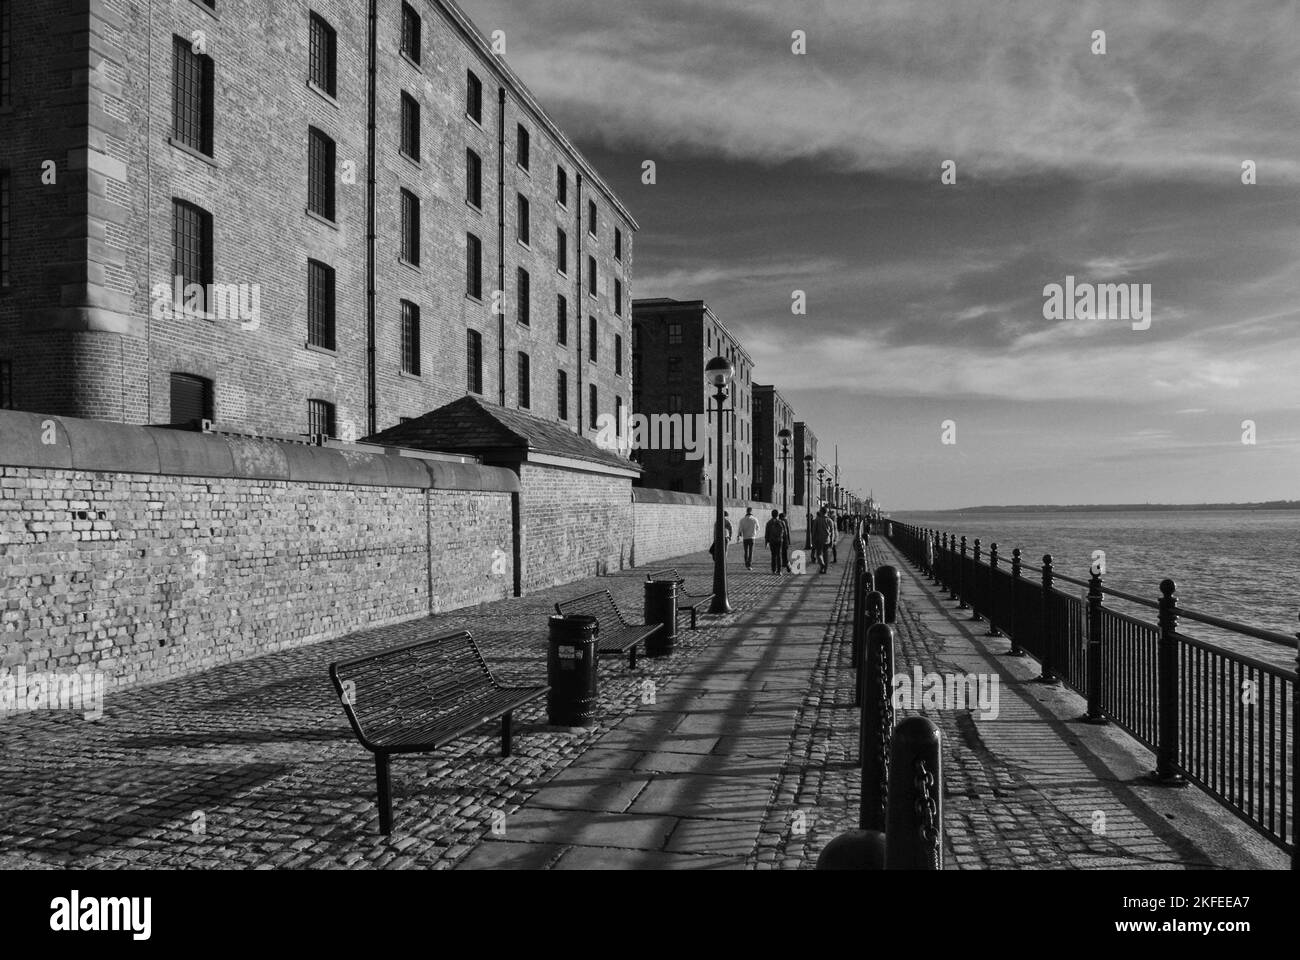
(655, 495)
(68, 443)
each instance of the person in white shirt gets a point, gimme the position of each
(748, 531)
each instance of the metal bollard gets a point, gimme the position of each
(854, 850)
(888, 582)
(1167, 691)
(876, 724)
(873, 612)
(914, 831)
(661, 607)
(862, 585)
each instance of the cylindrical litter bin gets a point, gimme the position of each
(888, 581)
(571, 671)
(661, 608)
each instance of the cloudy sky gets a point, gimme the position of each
(821, 172)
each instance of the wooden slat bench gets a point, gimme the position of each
(420, 696)
(616, 635)
(685, 601)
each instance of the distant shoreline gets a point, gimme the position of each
(1118, 507)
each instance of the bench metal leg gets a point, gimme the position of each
(506, 732)
(385, 794)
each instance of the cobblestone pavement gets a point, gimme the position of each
(253, 764)
(1030, 788)
(746, 758)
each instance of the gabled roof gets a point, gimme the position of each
(470, 425)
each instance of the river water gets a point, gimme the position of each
(1242, 565)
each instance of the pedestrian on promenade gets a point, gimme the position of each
(748, 531)
(785, 543)
(774, 535)
(726, 534)
(823, 538)
(835, 542)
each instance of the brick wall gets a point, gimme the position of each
(669, 524)
(575, 525)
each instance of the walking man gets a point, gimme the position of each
(774, 537)
(785, 543)
(748, 530)
(823, 537)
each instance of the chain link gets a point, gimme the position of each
(926, 806)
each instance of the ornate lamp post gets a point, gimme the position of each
(807, 500)
(785, 464)
(718, 373)
(821, 486)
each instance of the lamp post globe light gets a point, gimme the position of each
(717, 372)
(785, 464)
(807, 500)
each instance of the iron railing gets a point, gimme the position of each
(1217, 717)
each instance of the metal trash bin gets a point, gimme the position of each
(661, 607)
(571, 671)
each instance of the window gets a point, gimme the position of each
(591, 339)
(591, 217)
(320, 174)
(473, 179)
(674, 333)
(410, 126)
(523, 294)
(561, 250)
(618, 296)
(410, 338)
(474, 361)
(473, 266)
(525, 391)
(618, 416)
(323, 57)
(474, 97)
(7, 385)
(522, 229)
(320, 418)
(4, 227)
(410, 32)
(591, 276)
(562, 394)
(5, 30)
(191, 96)
(410, 228)
(320, 305)
(191, 245)
(561, 319)
(618, 244)
(521, 147)
(561, 187)
(674, 403)
(591, 414)
(618, 355)
(191, 398)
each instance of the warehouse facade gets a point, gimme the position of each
(323, 220)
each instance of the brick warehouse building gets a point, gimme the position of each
(672, 342)
(296, 160)
(773, 478)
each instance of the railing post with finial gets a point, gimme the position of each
(1167, 691)
(950, 565)
(992, 611)
(1048, 672)
(976, 601)
(962, 586)
(1012, 627)
(1094, 647)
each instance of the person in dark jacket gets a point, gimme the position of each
(774, 537)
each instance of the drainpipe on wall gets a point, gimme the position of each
(579, 329)
(501, 246)
(516, 543)
(372, 418)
